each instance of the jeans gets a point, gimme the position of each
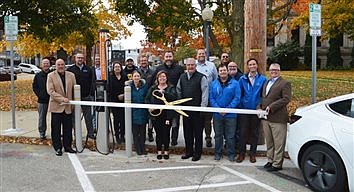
(42, 118)
(224, 129)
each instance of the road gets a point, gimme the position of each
(36, 168)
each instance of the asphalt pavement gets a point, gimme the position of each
(36, 168)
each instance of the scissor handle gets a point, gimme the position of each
(162, 97)
(156, 114)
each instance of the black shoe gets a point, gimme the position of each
(186, 156)
(267, 165)
(174, 143)
(69, 150)
(42, 137)
(159, 156)
(91, 136)
(209, 144)
(58, 152)
(272, 168)
(166, 156)
(151, 137)
(196, 158)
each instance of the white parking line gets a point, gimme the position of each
(81, 175)
(269, 188)
(148, 169)
(194, 187)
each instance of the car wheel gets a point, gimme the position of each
(323, 169)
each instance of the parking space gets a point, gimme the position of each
(148, 174)
(36, 168)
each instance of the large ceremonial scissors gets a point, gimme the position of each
(159, 95)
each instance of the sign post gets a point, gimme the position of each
(315, 30)
(11, 32)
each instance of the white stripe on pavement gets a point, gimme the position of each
(269, 188)
(194, 187)
(81, 175)
(148, 169)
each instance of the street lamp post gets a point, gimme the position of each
(207, 15)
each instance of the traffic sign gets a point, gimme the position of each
(11, 28)
(315, 16)
(316, 32)
(315, 19)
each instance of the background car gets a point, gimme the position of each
(5, 73)
(29, 68)
(17, 70)
(320, 142)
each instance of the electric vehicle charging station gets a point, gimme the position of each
(102, 122)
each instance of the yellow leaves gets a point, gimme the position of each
(28, 46)
(109, 19)
(25, 99)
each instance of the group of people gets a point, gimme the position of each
(221, 87)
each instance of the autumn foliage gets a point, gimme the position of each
(329, 84)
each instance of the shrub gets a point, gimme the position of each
(286, 54)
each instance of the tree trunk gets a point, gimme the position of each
(237, 33)
(255, 33)
(255, 39)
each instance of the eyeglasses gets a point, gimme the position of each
(274, 69)
(225, 56)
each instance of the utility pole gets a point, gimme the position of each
(255, 33)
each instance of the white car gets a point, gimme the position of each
(29, 68)
(321, 143)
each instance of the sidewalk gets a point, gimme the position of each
(26, 126)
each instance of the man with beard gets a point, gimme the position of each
(146, 74)
(208, 69)
(85, 78)
(129, 68)
(174, 71)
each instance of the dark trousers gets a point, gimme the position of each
(118, 122)
(139, 136)
(87, 112)
(207, 125)
(193, 133)
(249, 131)
(162, 133)
(175, 129)
(61, 122)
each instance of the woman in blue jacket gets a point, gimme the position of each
(224, 92)
(139, 115)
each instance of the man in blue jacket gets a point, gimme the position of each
(224, 92)
(251, 85)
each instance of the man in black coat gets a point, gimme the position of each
(85, 78)
(39, 87)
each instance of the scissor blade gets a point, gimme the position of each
(179, 101)
(182, 113)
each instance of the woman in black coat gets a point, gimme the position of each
(163, 122)
(116, 93)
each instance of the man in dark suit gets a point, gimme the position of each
(60, 86)
(276, 94)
